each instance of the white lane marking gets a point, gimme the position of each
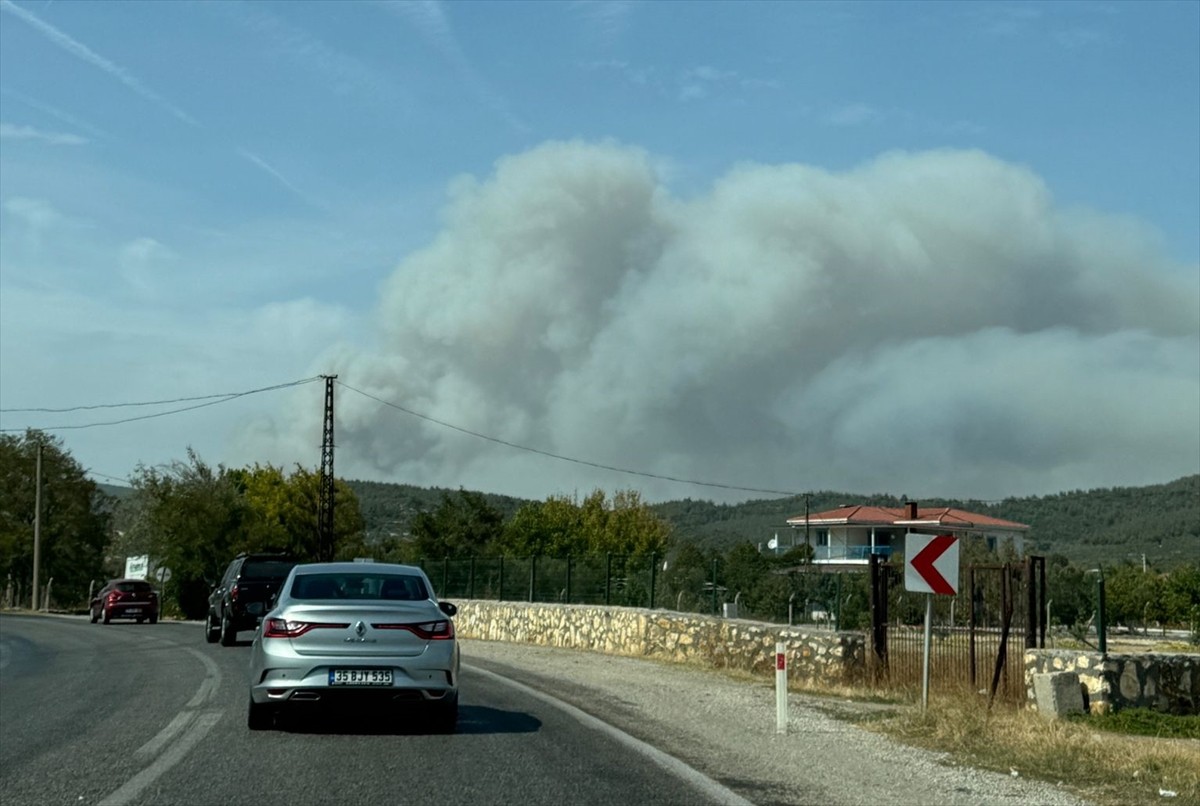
(135, 785)
(165, 735)
(189, 732)
(713, 789)
(211, 681)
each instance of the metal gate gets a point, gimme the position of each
(978, 635)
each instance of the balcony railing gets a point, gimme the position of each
(849, 553)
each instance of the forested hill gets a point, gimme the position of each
(1110, 525)
(1087, 526)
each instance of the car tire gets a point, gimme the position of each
(212, 630)
(444, 718)
(95, 616)
(260, 716)
(107, 617)
(154, 619)
(228, 634)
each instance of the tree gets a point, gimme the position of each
(282, 516)
(688, 569)
(553, 527)
(193, 519)
(462, 526)
(74, 524)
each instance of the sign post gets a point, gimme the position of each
(930, 567)
(781, 715)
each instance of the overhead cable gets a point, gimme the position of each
(560, 457)
(223, 398)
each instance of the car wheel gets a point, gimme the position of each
(95, 614)
(445, 715)
(260, 716)
(228, 634)
(154, 619)
(212, 630)
(107, 616)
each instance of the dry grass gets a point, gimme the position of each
(1103, 767)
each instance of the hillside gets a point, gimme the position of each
(1110, 525)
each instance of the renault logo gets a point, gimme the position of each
(360, 629)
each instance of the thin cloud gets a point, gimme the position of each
(343, 74)
(54, 112)
(272, 171)
(1077, 38)
(607, 18)
(430, 19)
(9, 131)
(854, 115)
(84, 53)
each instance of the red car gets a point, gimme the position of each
(125, 598)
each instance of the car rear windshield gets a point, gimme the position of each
(133, 587)
(393, 587)
(267, 570)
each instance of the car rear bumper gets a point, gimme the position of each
(285, 678)
(131, 611)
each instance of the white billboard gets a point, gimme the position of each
(137, 567)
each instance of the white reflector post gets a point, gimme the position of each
(781, 715)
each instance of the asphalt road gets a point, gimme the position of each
(151, 714)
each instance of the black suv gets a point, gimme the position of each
(243, 596)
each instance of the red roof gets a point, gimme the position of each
(925, 517)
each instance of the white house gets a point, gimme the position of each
(848, 535)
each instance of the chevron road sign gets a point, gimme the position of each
(931, 564)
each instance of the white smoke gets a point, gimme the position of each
(930, 324)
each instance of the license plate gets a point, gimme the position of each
(133, 610)
(360, 677)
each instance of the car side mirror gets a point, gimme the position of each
(448, 608)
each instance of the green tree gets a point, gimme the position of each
(192, 518)
(462, 526)
(688, 569)
(282, 513)
(74, 523)
(553, 527)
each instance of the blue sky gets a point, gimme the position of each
(216, 197)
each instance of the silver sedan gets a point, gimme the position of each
(349, 634)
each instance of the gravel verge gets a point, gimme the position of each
(725, 728)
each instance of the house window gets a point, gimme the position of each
(822, 537)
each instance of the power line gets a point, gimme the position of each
(560, 457)
(210, 401)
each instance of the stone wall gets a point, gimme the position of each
(813, 655)
(1159, 681)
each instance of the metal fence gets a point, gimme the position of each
(591, 579)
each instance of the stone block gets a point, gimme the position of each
(1057, 694)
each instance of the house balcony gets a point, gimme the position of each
(858, 555)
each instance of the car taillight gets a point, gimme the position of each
(113, 596)
(429, 630)
(283, 628)
(233, 593)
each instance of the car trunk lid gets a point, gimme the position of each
(364, 630)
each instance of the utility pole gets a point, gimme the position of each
(327, 489)
(37, 527)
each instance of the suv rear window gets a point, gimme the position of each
(271, 570)
(133, 587)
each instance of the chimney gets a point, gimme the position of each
(912, 510)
